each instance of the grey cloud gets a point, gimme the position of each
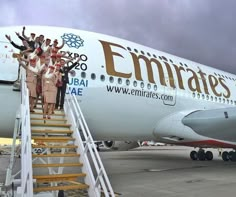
(200, 30)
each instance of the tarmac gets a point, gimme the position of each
(165, 171)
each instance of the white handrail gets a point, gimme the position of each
(26, 188)
(97, 179)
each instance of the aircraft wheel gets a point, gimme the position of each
(233, 156)
(225, 156)
(201, 155)
(193, 155)
(209, 155)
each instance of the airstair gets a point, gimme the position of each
(58, 155)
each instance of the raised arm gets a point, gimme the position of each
(23, 34)
(74, 64)
(62, 45)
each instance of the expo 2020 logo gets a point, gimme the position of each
(72, 40)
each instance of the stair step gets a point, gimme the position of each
(51, 131)
(40, 113)
(56, 155)
(54, 146)
(50, 124)
(56, 165)
(40, 108)
(64, 187)
(53, 119)
(57, 177)
(51, 139)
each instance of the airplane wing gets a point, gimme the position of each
(217, 123)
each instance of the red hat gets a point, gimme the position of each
(53, 55)
(32, 60)
(58, 55)
(58, 65)
(42, 56)
(51, 67)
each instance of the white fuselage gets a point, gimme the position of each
(128, 91)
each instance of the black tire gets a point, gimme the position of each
(209, 155)
(193, 155)
(201, 155)
(225, 156)
(231, 155)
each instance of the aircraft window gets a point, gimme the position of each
(155, 87)
(154, 56)
(119, 80)
(219, 75)
(83, 75)
(198, 95)
(142, 52)
(186, 65)
(223, 100)
(149, 86)
(220, 100)
(129, 48)
(203, 96)
(181, 64)
(148, 54)
(135, 83)
(93, 76)
(230, 78)
(227, 101)
(215, 99)
(111, 79)
(142, 85)
(164, 58)
(234, 102)
(102, 78)
(136, 50)
(226, 77)
(207, 97)
(231, 102)
(127, 82)
(160, 57)
(194, 95)
(215, 74)
(171, 61)
(211, 98)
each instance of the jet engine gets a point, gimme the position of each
(120, 145)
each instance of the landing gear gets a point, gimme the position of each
(229, 156)
(201, 155)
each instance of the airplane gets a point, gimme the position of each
(130, 93)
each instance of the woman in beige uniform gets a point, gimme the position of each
(49, 91)
(31, 79)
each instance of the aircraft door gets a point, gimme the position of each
(169, 96)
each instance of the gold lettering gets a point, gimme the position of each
(149, 68)
(202, 74)
(213, 83)
(225, 87)
(192, 79)
(179, 76)
(170, 74)
(110, 66)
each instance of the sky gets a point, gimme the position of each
(200, 30)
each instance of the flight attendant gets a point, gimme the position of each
(49, 91)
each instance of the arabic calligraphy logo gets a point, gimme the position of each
(72, 40)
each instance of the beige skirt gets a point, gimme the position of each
(49, 96)
(32, 89)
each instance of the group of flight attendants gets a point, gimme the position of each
(46, 71)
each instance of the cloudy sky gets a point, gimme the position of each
(200, 30)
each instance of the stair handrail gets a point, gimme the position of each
(98, 181)
(26, 188)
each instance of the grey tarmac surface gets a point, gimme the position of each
(165, 171)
